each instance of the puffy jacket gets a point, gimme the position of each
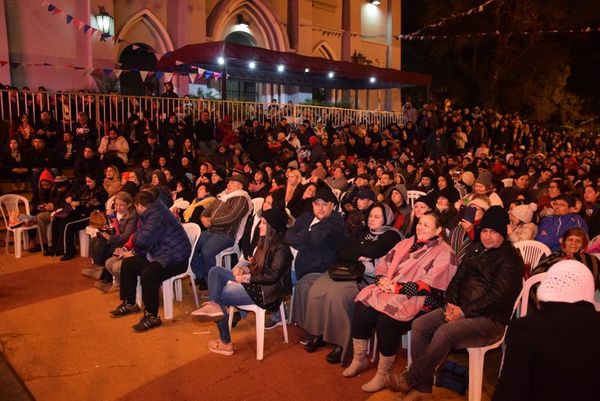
(553, 227)
(488, 282)
(316, 245)
(161, 237)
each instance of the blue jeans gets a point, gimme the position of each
(209, 246)
(224, 294)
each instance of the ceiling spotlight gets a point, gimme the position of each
(307, 70)
(375, 2)
(330, 75)
(280, 68)
(252, 65)
(372, 80)
(221, 60)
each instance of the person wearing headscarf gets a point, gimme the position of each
(422, 205)
(328, 314)
(112, 180)
(560, 364)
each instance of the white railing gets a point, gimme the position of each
(108, 109)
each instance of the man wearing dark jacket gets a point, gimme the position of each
(479, 304)
(160, 250)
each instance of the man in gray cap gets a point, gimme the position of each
(221, 220)
(479, 303)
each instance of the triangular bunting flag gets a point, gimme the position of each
(159, 74)
(15, 65)
(51, 7)
(69, 18)
(143, 75)
(118, 73)
(193, 77)
(107, 71)
(208, 74)
(105, 36)
(3, 63)
(86, 28)
(134, 47)
(177, 62)
(201, 71)
(79, 24)
(217, 75)
(57, 11)
(168, 76)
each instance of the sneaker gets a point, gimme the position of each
(94, 272)
(271, 324)
(306, 339)
(210, 309)
(147, 322)
(125, 309)
(103, 285)
(218, 347)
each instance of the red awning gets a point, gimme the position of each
(346, 75)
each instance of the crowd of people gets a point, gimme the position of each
(336, 199)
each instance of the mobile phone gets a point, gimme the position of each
(469, 214)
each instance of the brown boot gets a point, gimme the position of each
(93, 272)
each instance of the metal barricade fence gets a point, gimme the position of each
(109, 109)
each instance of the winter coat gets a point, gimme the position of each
(488, 282)
(124, 228)
(552, 228)
(552, 355)
(316, 244)
(121, 145)
(161, 237)
(273, 282)
(523, 232)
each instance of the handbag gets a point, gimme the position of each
(453, 376)
(346, 271)
(97, 219)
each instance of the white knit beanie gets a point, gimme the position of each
(567, 281)
(524, 212)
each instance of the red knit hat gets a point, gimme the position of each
(46, 176)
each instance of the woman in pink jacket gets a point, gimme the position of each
(409, 281)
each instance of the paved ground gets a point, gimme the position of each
(56, 334)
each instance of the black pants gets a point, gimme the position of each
(389, 330)
(63, 231)
(151, 274)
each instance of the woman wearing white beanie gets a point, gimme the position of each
(553, 354)
(521, 227)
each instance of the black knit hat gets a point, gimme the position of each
(495, 218)
(449, 193)
(430, 201)
(276, 218)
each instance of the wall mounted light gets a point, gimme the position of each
(105, 22)
(375, 2)
(240, 21)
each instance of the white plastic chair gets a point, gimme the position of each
(477, 359)
(235, 249)
(193, 232)
(406, 344)
(260, 325)
(292, 271)
(507, 182)
(88, 232)
(11, 203)
(530, 282)
(532, 252)
(413, 195)
(337, 193)
(258, 203)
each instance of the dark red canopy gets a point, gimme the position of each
(346, 75)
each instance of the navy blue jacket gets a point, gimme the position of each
(161, 237)
(316, 246)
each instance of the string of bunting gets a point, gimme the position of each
(475, 10)
(497, 33)
(168, 76)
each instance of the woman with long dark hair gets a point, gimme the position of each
(265, 281)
